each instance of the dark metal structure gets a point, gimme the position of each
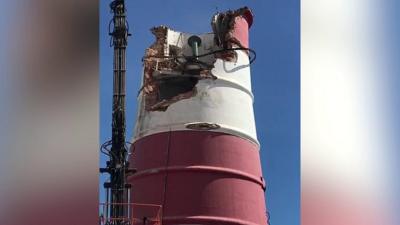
(117, 207)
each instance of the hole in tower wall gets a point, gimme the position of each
(170, 76)
(171, 90)
(171, 87)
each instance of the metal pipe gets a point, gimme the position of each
(195, 42)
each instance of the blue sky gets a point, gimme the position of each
(275, 36)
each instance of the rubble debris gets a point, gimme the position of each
(170, 75)
(154, 61)
(230, 31)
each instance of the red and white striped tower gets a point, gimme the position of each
(195, 149)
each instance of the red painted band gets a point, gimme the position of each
(207, 219)
(206, 169)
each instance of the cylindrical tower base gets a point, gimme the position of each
(199, 177)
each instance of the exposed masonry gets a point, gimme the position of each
(223, 25)
(171, 74)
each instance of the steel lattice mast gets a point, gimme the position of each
(117, 202)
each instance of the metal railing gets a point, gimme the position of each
(138, 214)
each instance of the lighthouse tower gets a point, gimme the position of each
(195, 146)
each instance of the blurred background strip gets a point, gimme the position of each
(49, 131)
(349, 80)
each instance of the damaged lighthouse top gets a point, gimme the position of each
(199, 82)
